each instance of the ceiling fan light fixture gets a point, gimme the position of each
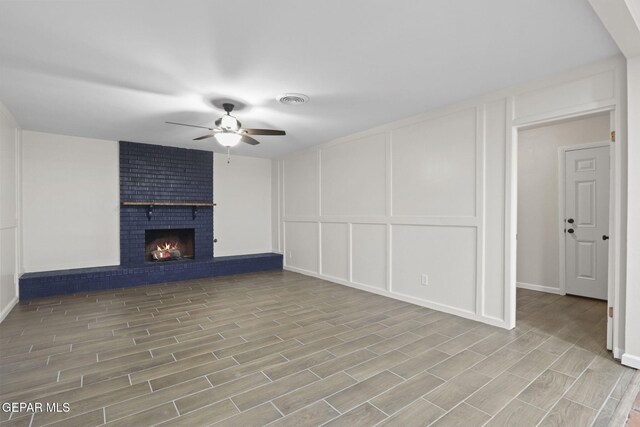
(227, 139)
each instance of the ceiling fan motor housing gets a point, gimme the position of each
(228, 122)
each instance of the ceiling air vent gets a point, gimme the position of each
(293, 98)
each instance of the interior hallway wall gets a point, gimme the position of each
(538, 196)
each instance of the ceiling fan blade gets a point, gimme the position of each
(263, 132)
(203, 137)
(192, 126)
(248, 140)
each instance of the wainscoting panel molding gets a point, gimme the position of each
(424, 205)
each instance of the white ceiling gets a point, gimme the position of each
(118, 69)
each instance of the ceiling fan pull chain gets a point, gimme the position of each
(228, 155)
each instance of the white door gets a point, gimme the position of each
(587, 221)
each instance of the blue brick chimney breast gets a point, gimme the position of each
(153, 173)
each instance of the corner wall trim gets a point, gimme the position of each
(539, 288)
(631, 360)
(8, 308)
(617, 353)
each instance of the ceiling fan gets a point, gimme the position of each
(228, 131)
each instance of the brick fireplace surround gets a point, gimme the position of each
(155, 174)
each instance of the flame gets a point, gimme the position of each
(167, 246)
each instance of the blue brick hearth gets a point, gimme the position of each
(155, 174)
(80, 280)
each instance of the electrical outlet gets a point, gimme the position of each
(424, 280)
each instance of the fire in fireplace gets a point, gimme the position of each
(168, 250)
(169, 245)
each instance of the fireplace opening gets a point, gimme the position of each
(169, 245)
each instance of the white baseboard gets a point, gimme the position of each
(631, 360)
(539, 288)
(403, 297)
(4, 312)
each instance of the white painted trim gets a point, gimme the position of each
(564, 114)
(19, 251)
(480, 207)
(388, 206)
(350, 251)
(584, 146)
(540, 288)
(245, 252)
(631, 360)
(319, 213)
(276, 207)
(461, 221)
(402, 297)
(611, 278)
(562, 241)
(4, 313)
(280, 206)
(617, 353)
(319, 234)
(617, 231)
(511, 216)
(389, 242)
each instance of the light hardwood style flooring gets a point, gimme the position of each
(283, 349)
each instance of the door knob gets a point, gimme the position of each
(605, 237)
(570, 231)
(570, 221)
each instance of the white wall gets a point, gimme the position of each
(430, 195)
(242, 216)
(538, 183)
(10, 228)
(71, 202)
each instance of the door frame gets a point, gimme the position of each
(614, 321)
(562, 242)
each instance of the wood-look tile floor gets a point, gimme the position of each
(284, 349)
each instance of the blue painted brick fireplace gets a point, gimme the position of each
(153, 173)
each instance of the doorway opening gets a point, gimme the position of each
(563, 207)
